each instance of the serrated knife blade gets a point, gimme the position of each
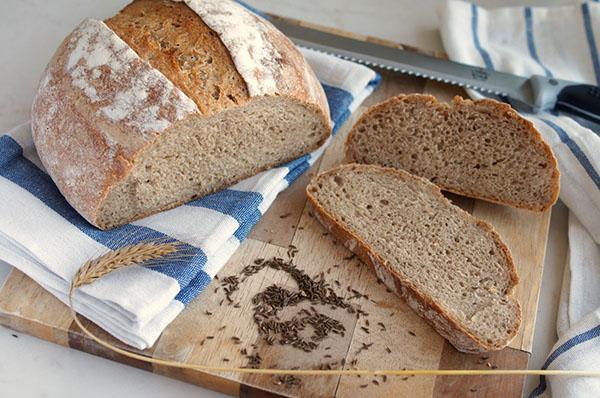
(535, 94)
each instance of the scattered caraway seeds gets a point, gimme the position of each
(286, 215)
(473, 389)
(225, 359)
(389, 351)
(350, 257)
(15, 336)
(384, 378)
(274, 298)
(210, 337)
(254, 361)
(375, 382)
(381, 325)
(287, 381)
(364, 385)
(222, 328)
(364, 347)
(411, 333)
(208, 313)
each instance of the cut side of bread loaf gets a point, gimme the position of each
(154, 107)
(451, 268)
(481, 149)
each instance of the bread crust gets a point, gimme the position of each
(89, 135)
(440, 320)
(490, 105)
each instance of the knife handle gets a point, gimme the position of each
(582, 100)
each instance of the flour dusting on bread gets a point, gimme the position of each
(99, 59)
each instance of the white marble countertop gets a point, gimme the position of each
(30, 30)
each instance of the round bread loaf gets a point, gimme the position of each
(169, 101)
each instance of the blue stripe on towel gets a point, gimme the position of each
(487, 60)
(237, 204)
(297, 172)
(576, 150)
(244, 229)
(564, 347)
(531, 41)
(194, 288)
(339, 100)
(589, 32)
(16, 168)
(296, 168)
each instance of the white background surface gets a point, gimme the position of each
(30, 30)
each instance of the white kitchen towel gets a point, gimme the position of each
(44, 237)
(560, 42)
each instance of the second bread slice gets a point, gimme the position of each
(481, 149)
(451, 268)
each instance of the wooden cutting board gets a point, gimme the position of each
(26, 307)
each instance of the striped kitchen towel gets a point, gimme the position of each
(562, 42)
(44, 237)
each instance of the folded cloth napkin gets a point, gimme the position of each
(561, 42)
(44, 237)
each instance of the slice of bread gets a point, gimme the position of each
(451, 268)
(481, 149)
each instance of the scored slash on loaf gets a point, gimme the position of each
(451, 268)
(164, 103)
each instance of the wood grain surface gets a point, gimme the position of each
(407, 341)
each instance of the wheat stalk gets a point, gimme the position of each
(138, 254)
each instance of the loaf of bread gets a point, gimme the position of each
(169, 101)
(481, 149)
(451, 268)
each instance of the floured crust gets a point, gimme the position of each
(439, 319)
(500, 109)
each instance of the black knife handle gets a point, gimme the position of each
(582, 100)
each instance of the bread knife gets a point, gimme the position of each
(535, 94)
